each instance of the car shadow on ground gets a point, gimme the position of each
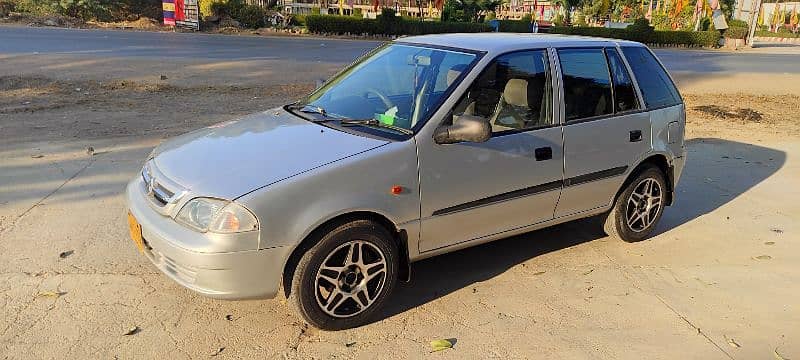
(716, 172)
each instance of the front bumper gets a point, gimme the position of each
(232, 275)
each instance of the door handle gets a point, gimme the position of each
(543, 153)
(636, 135)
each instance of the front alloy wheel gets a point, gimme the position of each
(350, 279)
(344, 279)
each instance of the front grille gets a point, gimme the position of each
(158, 193)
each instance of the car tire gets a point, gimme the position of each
(637, 210)
(331, 300)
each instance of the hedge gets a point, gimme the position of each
(657, 37)
(780, 34)
(332, 24)
(516, 26)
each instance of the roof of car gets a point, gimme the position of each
(501, 42)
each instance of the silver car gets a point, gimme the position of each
(424, 146)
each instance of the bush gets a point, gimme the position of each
(298, 20)
(689, 38)
(735, 23)
(641, 25)
(6, 6)
(384, 25)
(736, 33)
(251, 16)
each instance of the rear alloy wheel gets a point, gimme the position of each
(637, 210)
(346, 277)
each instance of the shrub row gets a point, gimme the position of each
(103, 10)
(779, 34)
(331, 24)
(689, 38)
(518, 26)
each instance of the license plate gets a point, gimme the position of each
(136, 232)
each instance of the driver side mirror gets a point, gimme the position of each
(468, 128)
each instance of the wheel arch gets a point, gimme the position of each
(399, 236)
(659, 161)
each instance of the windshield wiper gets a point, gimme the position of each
(375, 123)
(312, 109)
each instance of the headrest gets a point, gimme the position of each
(516, 92)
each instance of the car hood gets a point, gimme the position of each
(233, 158)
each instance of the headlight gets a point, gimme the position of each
(215, 215)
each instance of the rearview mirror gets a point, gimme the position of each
(469, 128)
(419, 60)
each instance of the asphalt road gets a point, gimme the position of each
(176, 46)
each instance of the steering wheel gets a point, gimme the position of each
(388, 103)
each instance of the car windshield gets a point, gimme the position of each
(394, 88)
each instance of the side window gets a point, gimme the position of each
(624, 94)
(656, 86)
(514, 92)
(587, 84)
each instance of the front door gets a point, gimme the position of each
(605, 131)
(474, 190)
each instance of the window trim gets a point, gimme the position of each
(639, 99)
(555, 118)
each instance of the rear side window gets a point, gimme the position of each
(624, 94)
(587, 83)
(656, 86)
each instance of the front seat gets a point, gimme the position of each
(512, 109)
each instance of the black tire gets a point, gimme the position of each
(616, 223)
(304, 288)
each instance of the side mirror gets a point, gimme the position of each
(468, 128)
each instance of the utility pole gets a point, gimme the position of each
(754, 22)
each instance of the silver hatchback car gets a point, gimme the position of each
(426, 145)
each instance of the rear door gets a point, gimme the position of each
(605, 130)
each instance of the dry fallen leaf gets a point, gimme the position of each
(769, 243)
(588, 272)
(539, 272)
(732, 342)
(350, 344)
(54, 294)
(778, 355)
(441, 344)
(218, 351)
(66, 253)
(132, 331)
(763, 257)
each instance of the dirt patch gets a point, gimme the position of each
(718, 114)
(724, 113)
(35, 108)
